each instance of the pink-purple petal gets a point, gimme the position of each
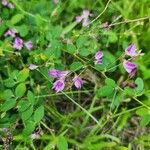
(58, 85)
(77, 82)
(129, 66)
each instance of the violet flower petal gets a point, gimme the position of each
(131, 50)
(98, 55)
(18, 43)
(33, 66)
(129, 66)
(58, 85)
(28, 45)
(4, 2)
(77, 82)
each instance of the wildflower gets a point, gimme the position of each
(58, 85)
(18, 43)
(33, 66)
(129, 67)
(98, 57)
(105, 25)
(4, 2)
(56, 1)
(132, 51)
(77, 82)
(11, 5)
(34, 136)
(28, 45)
(11, 32)
(84, 18)
(57, 73)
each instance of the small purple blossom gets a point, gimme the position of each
(57, 73)
(98, 57)
(34, 136)
(78, 19)
(77, 82)
(99, 61)
(18, 43)
(132, 51)
(28, 45)
(129, 67)
(58, 85)
(11, 5)
(33, 66)
(84, 18)
(4, 2)
(11, 32)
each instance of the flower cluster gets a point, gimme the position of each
(18, 42)
(129, 66)
(98, 57)
(59, 84)
(84, 18)
(6, 4)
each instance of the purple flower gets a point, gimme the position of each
(129, 67)
(18, 43)
(132, 51)
(57, 73)
(78, 19)
(99, 61)
(58, 85)
(98, 57)
(84, 18)
(4, 2)
(33, 66)
(28, 45)
(11, 32)
(11, 5)
(77, 82)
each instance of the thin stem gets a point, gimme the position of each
(101, 12)
(74, 101)
(129, 21)
(58, 94)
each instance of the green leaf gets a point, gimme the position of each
(27, 113)
(20, 90)
(110, 82)
(23, 30)
(143, 111)
(39, 114)
(140, 86)
(62, 143)
(29, 129)
(7, 94)
(129, 91)
(76, 66)
(9, 104)
(81, 41)
(105, 91)
(112, 36)
(69, 28)
(17, 18)
(9, 83)
(71, 48)
(145, 120)
(31, 97)
(23, 75)
(23, 105)
(84, 52)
